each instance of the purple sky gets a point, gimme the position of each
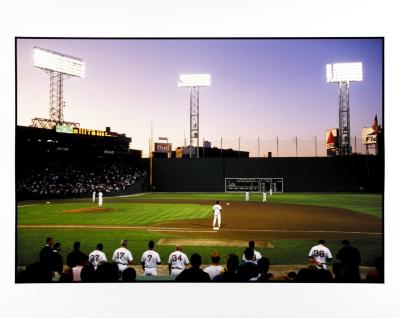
(260, 88)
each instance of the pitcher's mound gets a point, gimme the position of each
(88, 210)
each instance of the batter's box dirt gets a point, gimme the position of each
(89, 210)
(212, 242)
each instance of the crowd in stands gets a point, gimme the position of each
(252, 267)
(70, 180)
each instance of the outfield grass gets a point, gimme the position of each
(369, 203)
(122, 214)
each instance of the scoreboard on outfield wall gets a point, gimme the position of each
(253, 184)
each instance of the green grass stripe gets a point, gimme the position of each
(359, 202)
(123, 214)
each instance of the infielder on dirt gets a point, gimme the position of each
(150, 260)
(217, 215)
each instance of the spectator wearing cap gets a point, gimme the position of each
(122, 256)
(194, 273)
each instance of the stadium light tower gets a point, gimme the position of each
(343, 74)
(59, 66)
(194, 81)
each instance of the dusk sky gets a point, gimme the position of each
(263, 88)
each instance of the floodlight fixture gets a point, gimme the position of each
(194, 81)
(344, 72)
(58, 66)
(58, 62)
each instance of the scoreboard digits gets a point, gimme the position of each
(253, 184)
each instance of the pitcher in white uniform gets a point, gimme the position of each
(217, 215)
(100, 199)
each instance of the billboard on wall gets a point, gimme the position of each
(331, 138)
(369, 136)
(162, 147)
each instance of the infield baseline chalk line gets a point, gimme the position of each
(174, 229)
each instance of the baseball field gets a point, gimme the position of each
(284, 228)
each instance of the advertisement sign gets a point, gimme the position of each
(331, 138)
(162, 147)
(369, 136)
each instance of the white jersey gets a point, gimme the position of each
(96, 258)
(247, 196)
(178, 260)
(256, 257)
(151, 259)
(100, 199)
(94, 196)
(217, 209)
(264, 196)
(122, 257)
(214, 270)
(321, 254)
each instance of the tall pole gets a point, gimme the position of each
(296, 146)
(221, 147)
(151, 158)
(344, 119)
(315, 142)
(239, 147)
(355, 143)
(277, 148)
(194, 118)
(258, 139)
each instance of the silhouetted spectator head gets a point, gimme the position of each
(215, 257)
(50, 241)
(292, 276)
(217, 202)
(36, 273)
(252, 244)
(249, 253)
(66, 275)
(195, 260)
(232, 263)
(263, 265)
(129, 275)
(346, 243)
(151, 245)
(77, 246)
(88, 274)
(57, 246)
(107, 272)
(99, 247)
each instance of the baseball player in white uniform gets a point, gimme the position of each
(122, 256)
(256, 255)
(217, 215)
(264, 197)
(94, 196)
(320, 255)
(247, 196)
(97, 256)
(270, 191)
(177, 261)
(150, 260)
(100, 199)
